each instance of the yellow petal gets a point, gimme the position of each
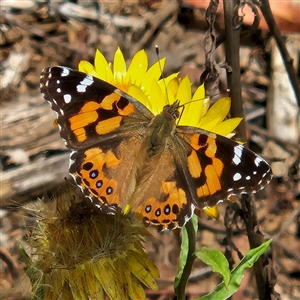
(123, 276)
(108, 280)
(212, 212)
(151, 267)
(157, 98)
(92, 286)
(215, 114)
(199, 93)
(137, 68)
(171, 88)
(165, 82)
(102, 68)
(119, 66)
(138, 269)
(86, 67)
(135, 289)
(184, 92)
(169, 78)
(202, 103)
(153, 73)
(192, 109)
(205, 107)
(227, 126)
(139, 95)
(77, 284)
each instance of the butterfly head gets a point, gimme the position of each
(172, 110)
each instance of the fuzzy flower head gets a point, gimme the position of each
(144, 84)
(80, 254)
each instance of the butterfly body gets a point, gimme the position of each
(124, 156)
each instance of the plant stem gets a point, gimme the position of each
(234, 83)
(232, 44)
(189, 260)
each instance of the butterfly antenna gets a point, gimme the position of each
(196, 100)
(181, 113)
(163, 78)
(161, 70)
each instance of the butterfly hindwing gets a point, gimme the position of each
(106, 172)
(107, 175)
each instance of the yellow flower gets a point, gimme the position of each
(80, 254)
(143, 84)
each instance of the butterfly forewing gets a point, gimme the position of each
(220, 167)
(88, 109)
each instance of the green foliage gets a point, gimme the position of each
(223, 291)
(216, 260)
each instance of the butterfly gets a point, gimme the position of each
(123, 156)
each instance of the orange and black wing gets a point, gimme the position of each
(88, 109)
(218, 167)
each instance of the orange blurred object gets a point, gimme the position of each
(286, 13)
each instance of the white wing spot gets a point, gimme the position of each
(58, 81)
(265, 174)
(67, 98)
(81, 88)
(237, 176)
(238, 150)
(58, 90)
(97, 205)
(87, 81)
(54, 101)
(257, 161)
(65, 72)
(61, 112)
(254, 172)
(248, 177)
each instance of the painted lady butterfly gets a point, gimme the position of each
(124, 156)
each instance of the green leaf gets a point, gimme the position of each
(237, 274)
(216, 260)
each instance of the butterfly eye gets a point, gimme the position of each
(172, 110)
(176, 114)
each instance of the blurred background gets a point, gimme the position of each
(36, 33)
